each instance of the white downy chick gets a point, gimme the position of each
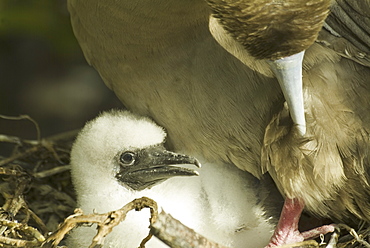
(120, 156)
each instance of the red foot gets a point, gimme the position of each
(287, 232)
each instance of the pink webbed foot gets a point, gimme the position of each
(287, 231)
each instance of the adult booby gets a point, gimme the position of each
(120, 156)
(161, 60)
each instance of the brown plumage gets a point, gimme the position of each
(291, 26)
(161, 60)
(329, 167)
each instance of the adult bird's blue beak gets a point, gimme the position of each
(288, 71)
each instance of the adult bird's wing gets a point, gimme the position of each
(347, 30)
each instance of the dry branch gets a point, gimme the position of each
(176, 235)
(359, 238)
(24, 117)
(37, 237)
(106, 222)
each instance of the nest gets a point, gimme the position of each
(36, 190)
(38, 202)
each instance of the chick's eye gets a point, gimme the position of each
(128, 158)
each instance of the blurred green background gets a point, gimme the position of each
(43, 72)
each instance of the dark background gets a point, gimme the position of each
(43, 72)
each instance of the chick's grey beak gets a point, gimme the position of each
(155, 165)
(288, 71)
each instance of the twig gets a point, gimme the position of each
(354, 234)
(67, 200)
(18, 242)
(36, 146)
(69, 223)
(38, 237)
(68, 135)
(14, 203)
(49, 145)
(19, 155)
(38, 221)
(24, 117)
(333, 240)
(106, 222)
(51, 172)
(11, 172)
(117, 216)
(10, 139)
(176, 235)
